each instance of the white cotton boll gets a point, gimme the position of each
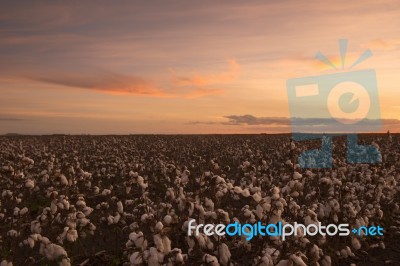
(53, 207)
(129, 202)
(65, 262)
(12, 233)
(325, 180)
(158, 227)
(285, 263)
(106, 192)
(356, 243)
(6, 263)
(23, 211)
(297, 175)
(257, 197)
(297, 260)
(120, 207)
(166, 244)
(210, 260)
(16, 211)
(35, 227)
(275, 196)
(158, 242)
(72, 235)
(224, 254)
(167, 219)
(136, 258)
(29, 184)
(31, 242)
(335, 218)
(110, 220)
(246, 192)
(87, 211)
(201, 240)
(326, 261)
(259, 211)
(155, 257)
(178, 256)
(142, 184)
(247, 213)
(80, 203)
(349, 252)
(63, 180)
(209, 203)
(53, 251)
(343, 253)
(143, 218)
(117, 217)
(237, 190)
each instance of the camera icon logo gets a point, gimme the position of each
(343, 103)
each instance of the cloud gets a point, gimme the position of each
(252, 120)
(118, 84)
(208, 79)
(11, 119)
(104, 82)
(283, 124)
(381, 44)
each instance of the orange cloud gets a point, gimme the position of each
(208, 79)
(201, 92)
(117, 84)
(380, 44)
(104, 82)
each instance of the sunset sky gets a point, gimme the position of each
(120, 67)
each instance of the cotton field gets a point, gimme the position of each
(127, 200)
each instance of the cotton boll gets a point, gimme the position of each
(120, 207)
(35, 227)
(52, 251)
(356, 243)
(167, 244)
(297, 175)
(158, 227)
(63, 180)
(65, 262)
(80, 203)
(158, 242)
(224, 254)
(53, 206)
(16, 211)
(167, 219)
(12, 233)
(326, 261)
(154, 257)
(257, 197)
(29, 184)
(210, 260)
(72, 235)
(209, 203)
(136, 258)
(297, 260)
(138, 240)
(31, 242)
(23, 211)
(6, 263)
(110, 220)
(245, 192)
(106, 192)
(96, 190)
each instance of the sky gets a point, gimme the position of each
(182, 67)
